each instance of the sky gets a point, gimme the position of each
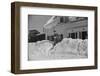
(37, 22)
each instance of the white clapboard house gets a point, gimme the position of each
(66, 27)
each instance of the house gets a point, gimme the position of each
(66, 27)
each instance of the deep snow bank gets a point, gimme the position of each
(67, 48)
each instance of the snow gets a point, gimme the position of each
(66, 49)
(50, 23)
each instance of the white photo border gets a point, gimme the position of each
(25, 64)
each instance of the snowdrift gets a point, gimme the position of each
(66, 49)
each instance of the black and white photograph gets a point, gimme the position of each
(57, 37)
(53, 37)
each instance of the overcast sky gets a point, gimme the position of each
(37, 22)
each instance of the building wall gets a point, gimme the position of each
(66, 28)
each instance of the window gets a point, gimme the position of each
(64, 19)
(76, 35)
(73, 35)
(61, 19)
(84, 35)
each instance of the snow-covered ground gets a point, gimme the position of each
(66, 49)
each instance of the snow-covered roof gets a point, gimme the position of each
(48, 22)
